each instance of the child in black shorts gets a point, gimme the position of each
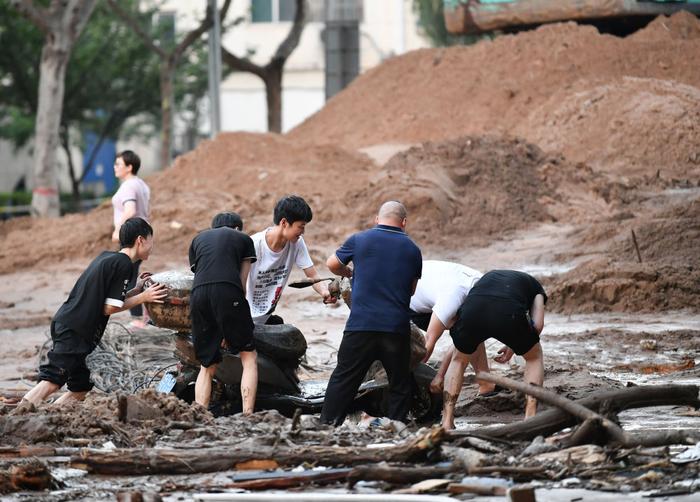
(220, 259)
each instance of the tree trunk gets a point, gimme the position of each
(52, 73)
(273, 93)
(74, 178)
(167, 96)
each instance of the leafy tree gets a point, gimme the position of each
(111, 85)
(61, 23)
(170, 55)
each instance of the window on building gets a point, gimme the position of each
(274, 11)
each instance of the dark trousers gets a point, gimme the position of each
(358, 350)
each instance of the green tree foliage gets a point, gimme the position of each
(111, 87)
(21, 44)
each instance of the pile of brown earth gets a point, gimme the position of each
(629, 104)
(560, 124)
(474, 189)
(661, 272)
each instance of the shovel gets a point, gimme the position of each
(305, 283)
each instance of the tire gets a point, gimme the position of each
(282, 342)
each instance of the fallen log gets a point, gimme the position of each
(548, 422)
(399, 475)
(132, 461)
(283, 480)
(36, 451)
(595, 428)
(459, 488)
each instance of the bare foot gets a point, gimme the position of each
(448, 425)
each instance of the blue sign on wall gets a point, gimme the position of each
(102, 169)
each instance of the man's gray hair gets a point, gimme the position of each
(392, 210)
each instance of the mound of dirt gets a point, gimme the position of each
(626, 126)
(670, 236)
(467, 190)
(604, 285)
(97, 420)
(666, 279)
(499, 86)
(242, 172)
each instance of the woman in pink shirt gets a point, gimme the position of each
(132, 199)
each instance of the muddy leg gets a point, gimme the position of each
(436, 385)
(481, 363)
(453, 385)
(534, 374)
(249, 380)
(202, 388)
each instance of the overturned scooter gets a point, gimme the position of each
(281, 349)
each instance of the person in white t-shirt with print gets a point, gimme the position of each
(278, 249)
(440, 292)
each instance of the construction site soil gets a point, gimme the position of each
(560, 151)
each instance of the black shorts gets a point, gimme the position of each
(66, 367)
(220, 312)
(483, 317)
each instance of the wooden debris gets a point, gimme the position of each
(584, 454)
(521, 494)
(595, 428)
(285, 479)
(458, 488)
(549, 422)
(400, 474)
(425, 486)
(131, 461)
(28, 475)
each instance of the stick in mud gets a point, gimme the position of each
(636, 246)
(595, 428)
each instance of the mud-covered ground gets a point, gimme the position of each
(585, 354)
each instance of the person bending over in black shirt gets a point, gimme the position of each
(220, 259)
(506, 305)
(77, 327)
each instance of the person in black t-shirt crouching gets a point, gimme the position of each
(220, 259)
(506, 305)
(79, 323)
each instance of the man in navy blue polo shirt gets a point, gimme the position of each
(386, 267)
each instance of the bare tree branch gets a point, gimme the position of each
(241, 64)
(37, 15)
(76, 15)
(134, 25)
(290, 43)
(193, 35)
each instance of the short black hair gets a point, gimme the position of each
(227, 219)
(130, 159)
(131, 229)
(292, 208)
